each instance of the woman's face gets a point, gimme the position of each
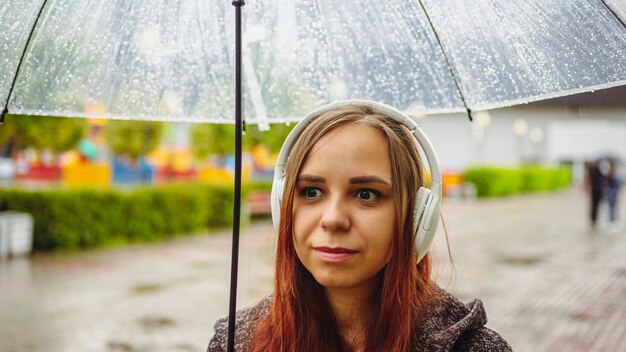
(343, 210)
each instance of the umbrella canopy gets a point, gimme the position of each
(173, 60)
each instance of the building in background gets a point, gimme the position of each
(571, 130)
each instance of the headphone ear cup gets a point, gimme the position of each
(281, 188)
(421, 199)
(276, 200)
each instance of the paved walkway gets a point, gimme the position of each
(548, 283)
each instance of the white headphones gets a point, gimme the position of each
(427, 202)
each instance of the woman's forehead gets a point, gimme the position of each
(350, 149)
(351, 136)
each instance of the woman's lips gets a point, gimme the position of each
(334, 255)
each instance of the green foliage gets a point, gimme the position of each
(70, 218)
(536, 178)
(7, 130)
(58, 134)
(209, 138)
(502, 181)
(561, 177)
(272, 139)
(219, 139)
(133, 138)
(494, 181)
(258, 186)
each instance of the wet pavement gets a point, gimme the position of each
(547, 281)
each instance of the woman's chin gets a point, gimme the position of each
(332, 281)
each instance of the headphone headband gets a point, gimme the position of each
(426, 217)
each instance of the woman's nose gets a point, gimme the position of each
(336, 216)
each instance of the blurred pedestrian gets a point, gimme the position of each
(610, 191)
(594, 181)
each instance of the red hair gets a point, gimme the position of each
(300, 318)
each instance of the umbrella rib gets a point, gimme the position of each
(5, 110)
(619, 19)
(445, 56)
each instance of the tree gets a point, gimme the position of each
(272, 139)
(209, 138)
(57, 134)
(133, 138)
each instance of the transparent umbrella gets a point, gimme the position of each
(174, 60)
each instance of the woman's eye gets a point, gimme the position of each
(367, 194)
(311, 192)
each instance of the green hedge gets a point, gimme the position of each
(503, 181)
(70, 218)
(259, 186)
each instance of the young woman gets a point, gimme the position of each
(346, 277)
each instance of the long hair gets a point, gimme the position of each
(300, 317)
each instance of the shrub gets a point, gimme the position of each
(562, 177)
(535, 178)
(494, 181)
(81, 218)
(502, 181)
(259, 186)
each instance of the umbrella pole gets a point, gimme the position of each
(238, 4)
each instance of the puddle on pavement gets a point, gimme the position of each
(594, 313)
(520, 260)
(120, 346)
(148, 288)
(158, 287)
(620, 272)
(204, 264)
(185, 347)
(190, 279)
(156, 322)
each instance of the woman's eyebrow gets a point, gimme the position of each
(369, 179)
(311, 178)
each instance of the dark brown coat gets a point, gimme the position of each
(448, 325)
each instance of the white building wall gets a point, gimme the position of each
(451, 138)
(586, 139)
(565, 136)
